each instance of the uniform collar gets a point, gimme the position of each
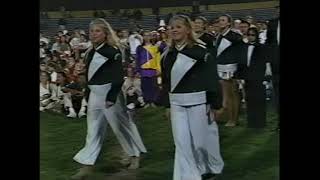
(224, 34)
(100, 46)
(181, 46)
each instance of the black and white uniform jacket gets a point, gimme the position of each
(228, 49)
(106, 69)
(190, 70)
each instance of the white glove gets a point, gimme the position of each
(268, 71)
(131, 106)
(140, 99)
(265, 83)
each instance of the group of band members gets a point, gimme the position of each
(199, 72)
(239, 55)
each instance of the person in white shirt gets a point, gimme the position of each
(262, 28)
(75, 40)
(51, 68)
(56, 46)
(42, 53)
(74, 43)
(44, 39)
(45, 92)
(124, 46)
(84, 44)
(57, 95)
(61, 100)
(132, 87)
(135, 40)
(52, 96)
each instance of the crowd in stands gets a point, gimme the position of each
(63, 73)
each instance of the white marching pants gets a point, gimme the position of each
(117, 117)
(68, 101)
(197, 143)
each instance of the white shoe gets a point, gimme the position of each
(146, 106)
(230, 124)
(125, 159)
(41, 109)
(72, 113)
(131, 106)
(83, 109)
(134, 163)
(82, 173)
(81, 114)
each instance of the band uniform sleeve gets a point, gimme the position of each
(86, 93)
(164, 93)
(241, 60)
(214, 91)
(117, 78)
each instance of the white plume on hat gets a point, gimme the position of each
(82, 32)
(162, 23)
(161, 29)
(237, 21)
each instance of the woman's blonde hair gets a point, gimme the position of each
(188, 23)
(112, 38)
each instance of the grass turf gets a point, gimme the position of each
(248, 154)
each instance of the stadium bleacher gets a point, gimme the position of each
(50, 26)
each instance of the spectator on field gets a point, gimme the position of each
(45, 91)
(74, 97)
(52, 70)
(131, 89)
(135, 40)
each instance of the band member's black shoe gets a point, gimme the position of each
(208, 176)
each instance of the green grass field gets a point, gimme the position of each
(248, 154)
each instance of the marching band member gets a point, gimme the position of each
(200, 24)
(273, 43)
(252, 68)
(162, 43)
(105, 104)
(228, 43)
(191, 95)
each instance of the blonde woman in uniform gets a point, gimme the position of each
(105, 103)
(190, 78)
